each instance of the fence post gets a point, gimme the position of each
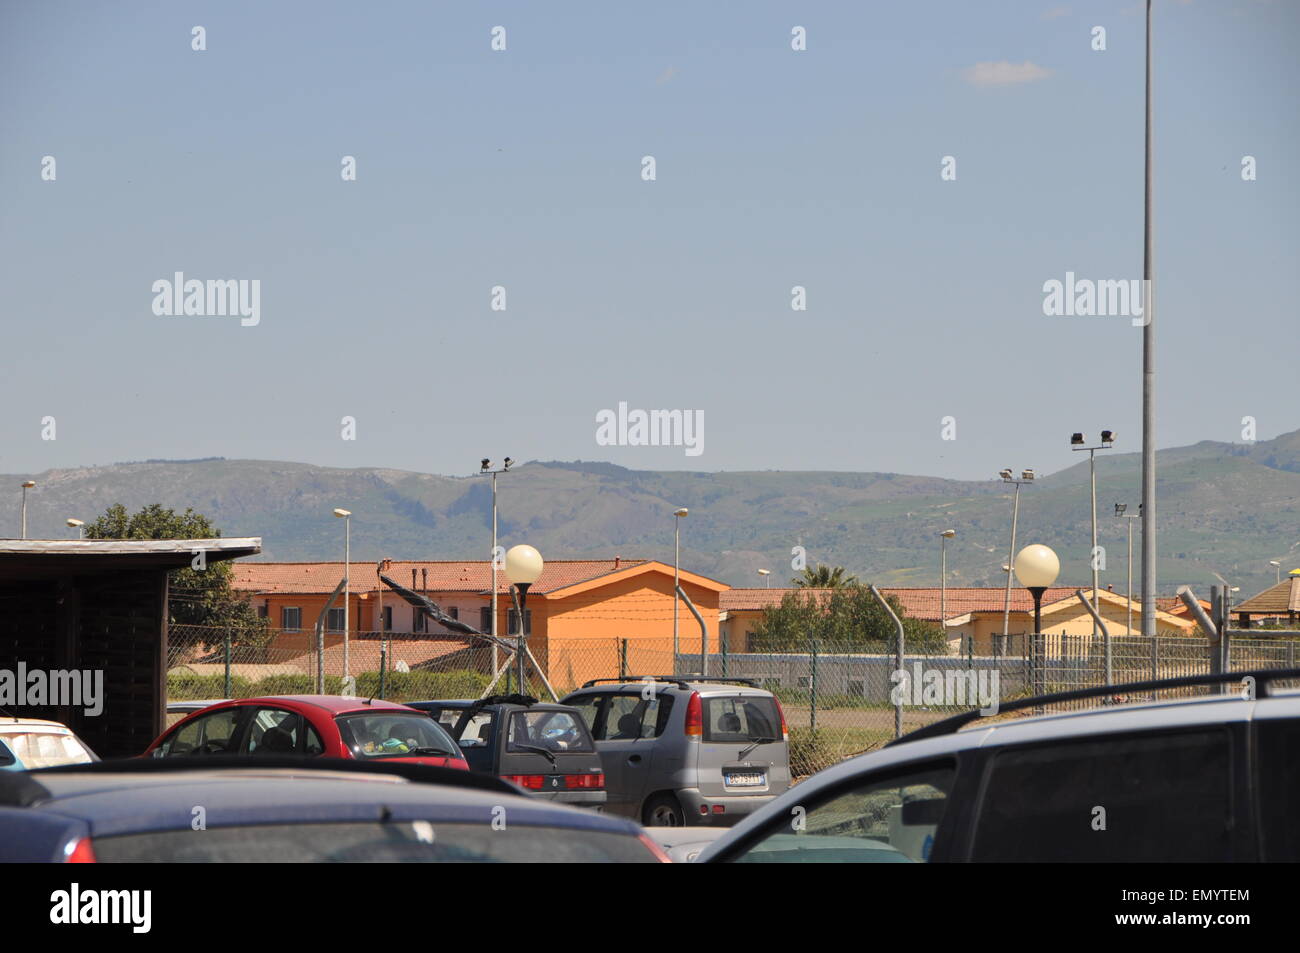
(227, 654)
(622, 658)
(812, 646)
(383, 666)
(722, 640)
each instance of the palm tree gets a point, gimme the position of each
(824, 577)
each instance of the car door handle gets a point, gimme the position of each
(634, 759)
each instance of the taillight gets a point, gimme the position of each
(584, 781)
(80, 852)
(532, 782)
(694, 716)
(785, 730)
(655, 849)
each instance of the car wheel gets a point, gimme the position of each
(663, 810)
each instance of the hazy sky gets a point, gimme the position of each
(523, 168)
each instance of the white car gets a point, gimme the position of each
(27, 743)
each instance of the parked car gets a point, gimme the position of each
(27, 743)
(544, 748)
(329, 726)
(684, 844)
(1206, 778)
(683, 751)
(296, 809)
(176, 710)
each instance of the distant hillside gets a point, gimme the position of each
(1223, 507)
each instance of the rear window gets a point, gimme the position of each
(46, 749)
(419, 842)
(741, 719)
(551, 730)
(394, 734)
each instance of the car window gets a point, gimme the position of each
(589, 707)
(741, 718)
(45, 749)
(1278, 770)
(448, 718)
(393, 733)
(212, 733)
(1154, 797)
(477, 730)
(624, 718)
(273, 731)
(551, 730)
(884, 821)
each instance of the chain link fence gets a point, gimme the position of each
(839, 700)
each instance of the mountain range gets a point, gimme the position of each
(1225, 508)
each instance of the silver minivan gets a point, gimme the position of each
(679, 750)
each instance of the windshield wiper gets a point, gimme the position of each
(756, 743)
(549, 757)
(433, 751)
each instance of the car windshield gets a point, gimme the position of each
(46, 749)
(549, 730)
(394, 734)
(372, 842)
(741, 719)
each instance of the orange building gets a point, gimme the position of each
(585, 618)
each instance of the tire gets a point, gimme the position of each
(663, 810)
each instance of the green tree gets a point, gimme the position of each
(195, 597)
(823, 577)
(848, 616)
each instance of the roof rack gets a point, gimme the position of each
(679, 680)
(950, 725)
(420, 773)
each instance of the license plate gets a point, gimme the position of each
(743, 779)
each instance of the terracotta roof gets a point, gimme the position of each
(739, 599)
(1280, 599)
(443, 576)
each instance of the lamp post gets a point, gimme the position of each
(1120, 509)
(677, 559)
(1276, 564)
(523, 568)
(767, 577)
(1148, 369)
(1077, 442)
(485, 466)
(78, 525)
(943, 576)
(27, 485)
(1026, 476)
(346, 516)
(1037, 566)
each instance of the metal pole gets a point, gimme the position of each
(1006, 605)
(1148, 378)
(899, 649)
(677, 584)
(226, 682)
(1130, 576)
(1092, 469)
(24, 535)
(943, 583)
(347, 587)
(493, 630)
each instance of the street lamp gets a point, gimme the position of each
(1037, 567)
(1120, 511)
(1026, 476)
(346, 517)
(485, 466)
(78, 526)
(1077, 442)
(27, 485)
(523, 568)
(943, 576)
(677, 585)
(767, 577)
(1278, 566)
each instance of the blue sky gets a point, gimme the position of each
(522, 168)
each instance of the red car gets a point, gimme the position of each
(327, 725)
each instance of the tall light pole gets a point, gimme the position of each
(346, 516)
(1148, 377)
(1026, 476)
(943, 577)
(485, 466)
(78, 525)
(767, 577)
(1120, 509)
(677, 559)
(523, 568)
(27, 485)
(1278, 566)
(1077, 442)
